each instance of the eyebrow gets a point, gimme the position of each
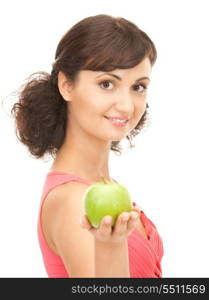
(119, 78)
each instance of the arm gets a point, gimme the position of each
(62, 212)
(111, 245)
(85, 253)
(111, 261)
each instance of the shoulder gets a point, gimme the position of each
(64, 194)
(63, 201)
(63, 210)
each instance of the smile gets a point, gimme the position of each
(117, 122)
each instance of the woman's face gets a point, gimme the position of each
(99, 99)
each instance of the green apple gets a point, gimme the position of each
(106, 199)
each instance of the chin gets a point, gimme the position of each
(117, 138)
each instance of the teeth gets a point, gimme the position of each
(117, 120)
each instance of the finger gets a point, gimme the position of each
(137, 208)
(85, 223)
(121, 224)
(134, 216)
(105, 227)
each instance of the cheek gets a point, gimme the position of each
(87, 109)
(139, 111)
(81, 103)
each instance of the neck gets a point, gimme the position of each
(86, 157)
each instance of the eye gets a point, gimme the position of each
(142, 89)
(105, 84)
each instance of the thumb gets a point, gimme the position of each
(84, 222)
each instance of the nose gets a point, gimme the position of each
(124, 104)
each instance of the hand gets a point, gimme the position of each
(125, 223)
(139, 225)
(136, 207)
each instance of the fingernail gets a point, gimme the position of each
(125, 218)
(108, 220)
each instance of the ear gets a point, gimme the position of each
(65, 87)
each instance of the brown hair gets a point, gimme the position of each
(97, 43)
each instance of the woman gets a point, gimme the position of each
(94, 97)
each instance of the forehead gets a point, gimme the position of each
(142, 69)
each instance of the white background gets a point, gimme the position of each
(166, 173)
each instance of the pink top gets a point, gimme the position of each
(144, 254)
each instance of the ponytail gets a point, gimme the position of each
(40, 115)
